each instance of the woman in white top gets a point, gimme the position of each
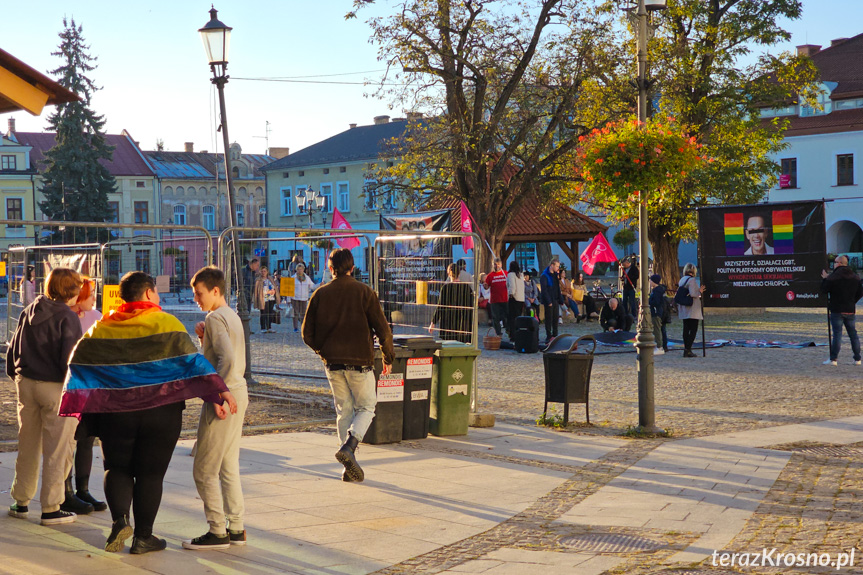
(303, 288)
(690, 314)
(515, 289)
(28, 287)
(84, 448)
(265, 300)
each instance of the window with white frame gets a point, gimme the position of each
(327, 193)
(370, 195)
(241, 215)
(180, 215)
(343, 191)
(287, 201)
(208, 217)
(262, 217)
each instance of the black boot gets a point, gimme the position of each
(83, 493)
(72, 504)
(346, 456)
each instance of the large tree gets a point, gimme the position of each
(712, 83)
(507, 87)
(76, 184)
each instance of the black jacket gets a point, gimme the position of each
(657, 305)
(630, 278)
(844, 288)
(607, 314)
(47, 333)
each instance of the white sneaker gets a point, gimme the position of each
(560, 321)
(858, 362)
(659, 351)
(830, 362)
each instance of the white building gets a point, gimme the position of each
(823, 145)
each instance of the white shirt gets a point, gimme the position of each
(302, 289)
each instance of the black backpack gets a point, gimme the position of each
(682, 296)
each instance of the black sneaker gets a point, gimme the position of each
(237, 537)
(57, 517)
(74, 504)
(141, 545)
(208, 540)
(120, 531)
(18, 511)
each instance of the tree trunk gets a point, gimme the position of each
(665, 261)
(543, 254)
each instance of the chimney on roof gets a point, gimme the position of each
(382, 120)
(808, 49)
(412, 116)
(279, 153)
(837, 41)
(204, 152)
(352, 126)
(11, 125)
(189, 146)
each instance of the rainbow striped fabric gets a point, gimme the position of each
(139, 357)
(734, 244)
(783, 232)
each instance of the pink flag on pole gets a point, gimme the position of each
(466, 227)
(340, 223)
(597, 251)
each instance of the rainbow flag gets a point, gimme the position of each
(734, 244)
(783, 232)
(139, 357)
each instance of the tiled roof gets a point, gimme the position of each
(842, 63)
(126, 161)
(835, 121)
(533, 223)
(360, 143)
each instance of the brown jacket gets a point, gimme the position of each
(341, 319)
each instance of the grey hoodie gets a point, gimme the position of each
(47, 332)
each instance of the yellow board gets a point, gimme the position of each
(286, 287)
(2, 269)
(422, 293)
(110, 299)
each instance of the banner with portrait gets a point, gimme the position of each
(403, 262)
(763, 255)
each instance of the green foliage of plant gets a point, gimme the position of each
(75, 184)
(551, 418)
(320, 243)
(637, 432)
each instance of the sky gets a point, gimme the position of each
(156, 81)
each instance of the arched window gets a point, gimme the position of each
(202, 191)
(169, 191)
(180, 215)
(180, 190)
(208, 217)
(235, 171)
(241, 215)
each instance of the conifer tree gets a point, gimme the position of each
(75, 183)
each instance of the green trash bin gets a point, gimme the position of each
(387, 425)
(452, 388)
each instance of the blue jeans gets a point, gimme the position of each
(355, 397)
(837, 320)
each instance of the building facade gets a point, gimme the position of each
(825, 146)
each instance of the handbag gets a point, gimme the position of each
(682, 296)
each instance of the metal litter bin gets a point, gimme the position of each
(567, 375)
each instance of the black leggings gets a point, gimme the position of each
(267, 315)
(137, 447)
(690, 331)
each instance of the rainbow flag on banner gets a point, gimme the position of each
(783, 232)
(139, 357)
(734, 244)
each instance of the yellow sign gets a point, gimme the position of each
(2, 269)
(286, 287)
(110, 299)
(422, 293)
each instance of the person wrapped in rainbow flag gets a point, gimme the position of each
(128, 379)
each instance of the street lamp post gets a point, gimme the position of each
(217, 38)
(311, 202)
(644, 340)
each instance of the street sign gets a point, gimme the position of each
(260, 252)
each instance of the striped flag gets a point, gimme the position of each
(734, 244)
(139, 357)
(783, 232)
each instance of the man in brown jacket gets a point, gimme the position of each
(341, 319)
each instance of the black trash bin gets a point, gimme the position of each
(387, 425)
(419, 369)
(567, 375)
